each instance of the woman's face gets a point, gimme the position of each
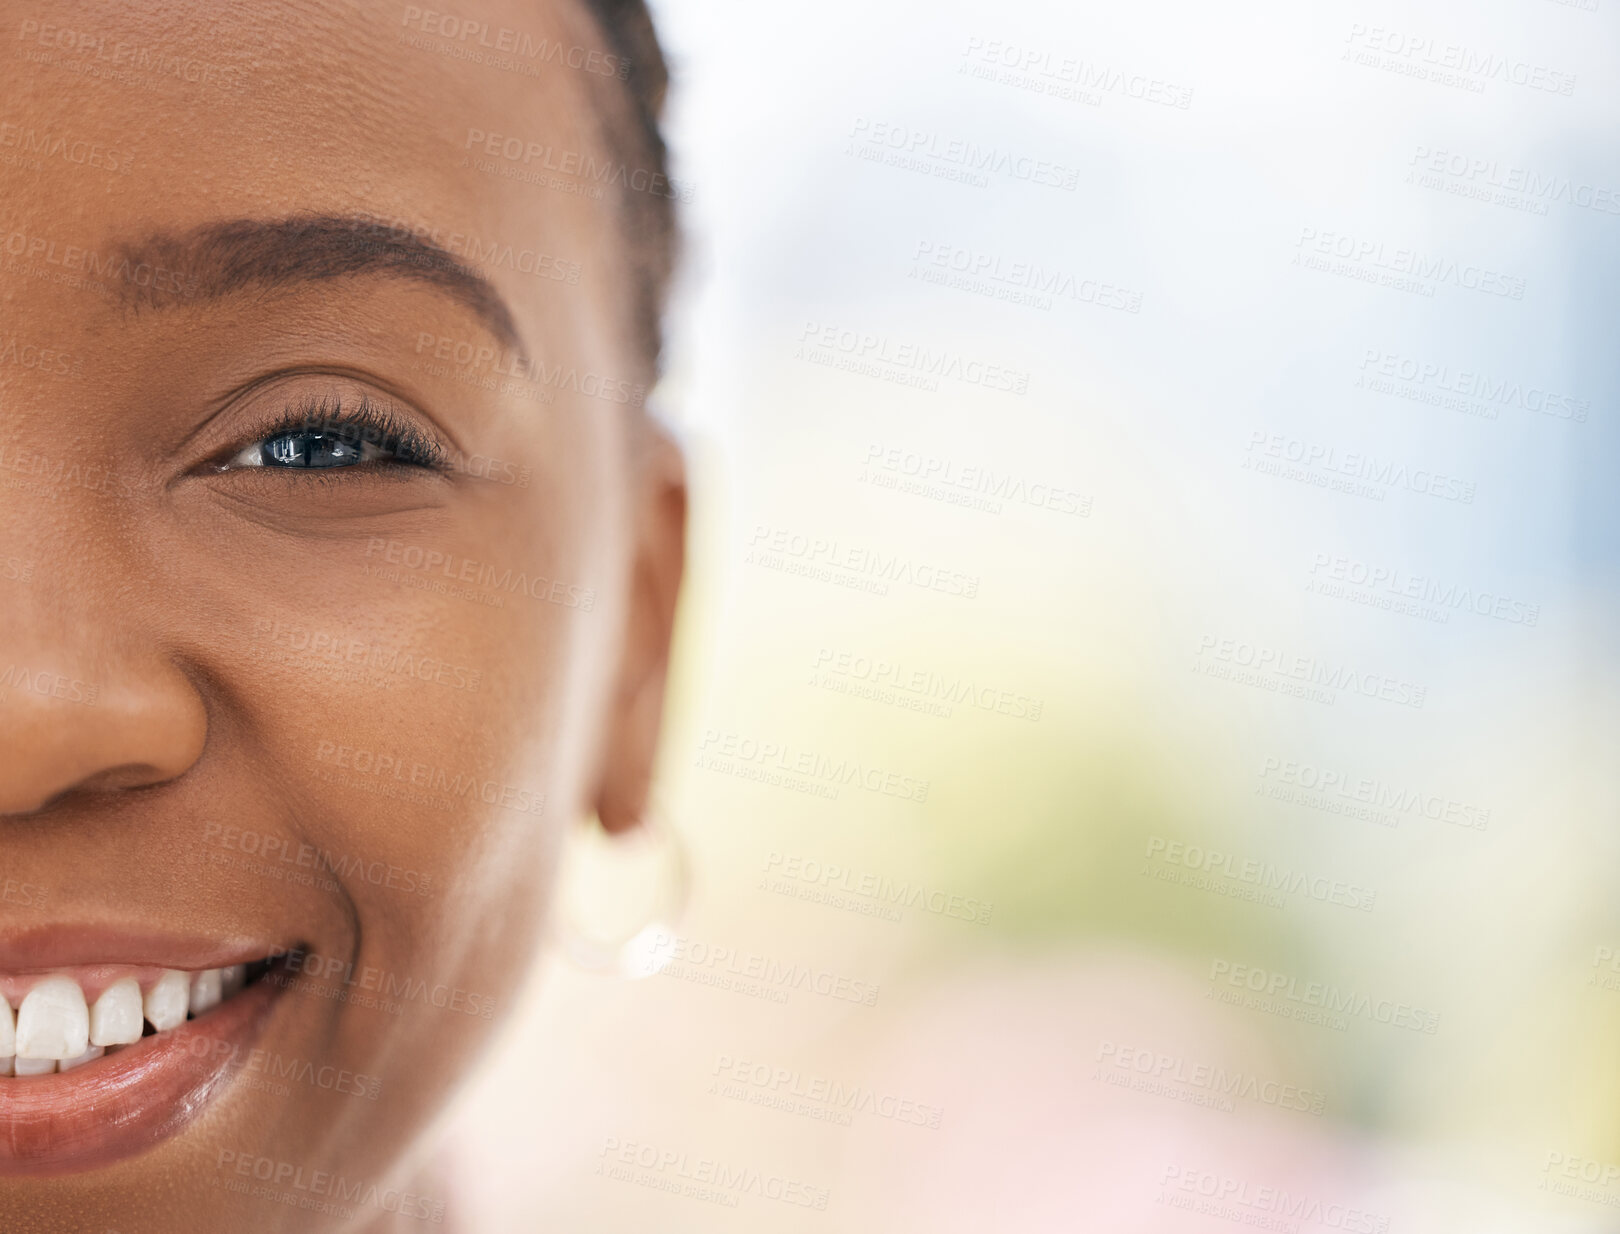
(338, 577)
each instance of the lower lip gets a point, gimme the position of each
(126, 1103)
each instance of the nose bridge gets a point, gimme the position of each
(91, 697)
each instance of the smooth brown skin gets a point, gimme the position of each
(152, 591)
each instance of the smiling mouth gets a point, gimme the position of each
(99, 1062)
(65, 1020)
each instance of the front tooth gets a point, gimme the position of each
(90, 1055)
(34, 1066)
(53, 1021)
(8, 1030)
(116, 1017)
(204, 990)
(165, 1002)
(5, 1065)
(231, 979)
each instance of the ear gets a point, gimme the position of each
(636, 712)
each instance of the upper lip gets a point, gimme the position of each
(39, 948)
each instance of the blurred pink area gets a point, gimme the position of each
(1032, 1137)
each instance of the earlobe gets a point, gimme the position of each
(636, 713)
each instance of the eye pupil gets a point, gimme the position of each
(309, 449)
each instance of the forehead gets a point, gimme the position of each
(470, 126)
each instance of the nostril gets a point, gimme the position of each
(116, 779)
(143, 729)
(49, 780)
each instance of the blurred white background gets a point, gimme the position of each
(1166, 450)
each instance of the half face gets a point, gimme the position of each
(338, 566)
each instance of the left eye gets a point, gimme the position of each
(311, 448)
(344, 427)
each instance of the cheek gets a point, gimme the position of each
(405, 682)
(403, 712)
(413, 710)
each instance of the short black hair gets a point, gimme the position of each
(648, 218)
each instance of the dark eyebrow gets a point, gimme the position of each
(216, 259)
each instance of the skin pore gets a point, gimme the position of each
(412, 672)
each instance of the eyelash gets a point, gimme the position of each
(403, 443)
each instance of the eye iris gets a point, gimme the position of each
(307, 449)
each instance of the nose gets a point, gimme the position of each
(87, 705)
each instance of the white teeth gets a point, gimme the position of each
(53, 1021)
(204, 991)
(90, 1055)
(52, 1028)
(165, 1003)
(116, 1017)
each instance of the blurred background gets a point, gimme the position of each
(1143, 736)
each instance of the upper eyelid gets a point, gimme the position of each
(266, 397)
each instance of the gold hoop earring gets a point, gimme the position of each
(619, 897)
